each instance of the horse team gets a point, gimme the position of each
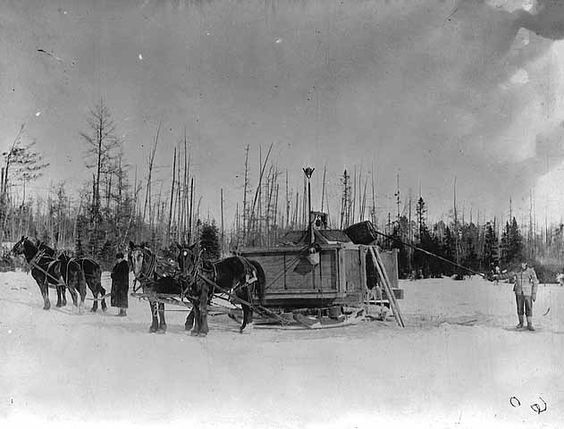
(241, 280)
(62, 272)
(236, 278)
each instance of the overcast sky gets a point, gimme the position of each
(429, 89)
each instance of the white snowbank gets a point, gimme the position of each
(457, 364)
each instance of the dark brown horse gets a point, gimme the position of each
(243, 280)
(47, 270)
(92, 273)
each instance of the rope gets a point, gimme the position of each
(470, 270)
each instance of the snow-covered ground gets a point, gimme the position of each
(456, 364)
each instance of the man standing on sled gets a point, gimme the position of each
(525, 288)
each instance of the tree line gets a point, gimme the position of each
(111, 209)
(479, 247)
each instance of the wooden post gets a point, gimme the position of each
(387, 286)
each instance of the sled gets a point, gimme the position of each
(297, 320)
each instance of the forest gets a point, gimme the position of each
(112, 209)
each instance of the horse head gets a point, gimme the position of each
(141, 261)
(24, 247)
(187, 257)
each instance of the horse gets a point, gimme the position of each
(47, 270)
(61, 288)
(92, 273)
(240, 278)
(154, 277)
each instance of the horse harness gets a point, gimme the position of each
(146, 274)
(34, 262)
(250, 276)
(71, 261)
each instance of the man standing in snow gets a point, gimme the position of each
(525, 288)
(120, 284)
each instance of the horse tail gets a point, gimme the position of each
(260, 284)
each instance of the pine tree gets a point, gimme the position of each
(490, 256)
(209, 241)
(511, 243)
(421, 211)
(516, 242)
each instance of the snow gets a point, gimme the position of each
(456, 364)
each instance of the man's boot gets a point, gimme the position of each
(520, 325)
(530, 324)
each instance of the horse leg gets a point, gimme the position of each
(103, 293)
(246, 311)
(64, 294)
(197, 320)
(154, 313)
(94, 308)
(162, 324)
(204, 320)
(82, 291)
(95, 292)
(74, 296)
(189, 320)
(59, 296)
(44, 288)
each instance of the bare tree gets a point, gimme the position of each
(102, 144)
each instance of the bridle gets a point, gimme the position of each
(148, 264)
(189, 271)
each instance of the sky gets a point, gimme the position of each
(432, 91)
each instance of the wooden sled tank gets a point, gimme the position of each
(323, 269)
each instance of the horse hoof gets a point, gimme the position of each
(153, 329)
(46, 307)
(194, 333)
(162, 329)
(93, 310)
(202, 334)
